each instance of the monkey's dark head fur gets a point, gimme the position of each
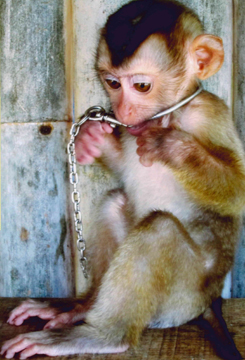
(127, 28)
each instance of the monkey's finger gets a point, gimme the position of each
(88, 154)
(9, 346)
(91, 138)
(60, 321)
(89, 150)
(146, 162)
(27, 306)
(85, 159)
(67, 318)
(34, 350)
(90, 127)
(95, 134)
(93, 151)
(141, 150)
(55, 324)
(42, 313)
(140, 141)
(98, 129)
(19, 309)
(107, 128)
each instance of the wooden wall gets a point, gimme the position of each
(35, 248)
(38, 78)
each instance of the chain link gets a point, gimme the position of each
(75, 195)
(95, 113)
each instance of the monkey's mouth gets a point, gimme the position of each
(138, 129)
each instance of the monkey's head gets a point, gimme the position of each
(151, 54)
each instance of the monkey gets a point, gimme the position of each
(164, 242)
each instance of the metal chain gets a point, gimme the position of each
(75, 195)
(95, 113)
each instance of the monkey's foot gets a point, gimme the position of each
(58, 342)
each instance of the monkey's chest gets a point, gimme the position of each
(153, 188)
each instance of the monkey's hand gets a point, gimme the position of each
(75, 340)
(57, 318)
(90, 140)
(48, 342)
(163, 144)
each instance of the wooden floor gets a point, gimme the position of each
(184, 343)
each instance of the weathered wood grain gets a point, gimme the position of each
(32, 61)
(183, 343)
(239, 117)
(239, 66)
(35, 247)
(36, 237)
(216, 16)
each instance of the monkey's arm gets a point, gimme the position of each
(69, 341)
(213, 174)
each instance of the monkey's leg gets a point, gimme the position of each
(155, 258)
(107, 233)
(149, 281)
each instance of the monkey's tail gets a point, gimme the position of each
(216, 330)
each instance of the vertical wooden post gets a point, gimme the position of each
(35, 247)
(238, 114)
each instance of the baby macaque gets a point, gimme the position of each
(162, 244)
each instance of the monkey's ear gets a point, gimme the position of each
(208, 54)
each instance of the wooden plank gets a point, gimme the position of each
(183, 343)
(35, 246)
(238, 113)
(32, 63)
(36, 238)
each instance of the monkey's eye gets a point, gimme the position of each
(113, 83)
(142, 87)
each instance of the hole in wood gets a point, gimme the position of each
(45, 129)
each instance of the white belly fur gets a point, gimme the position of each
(153, 188)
